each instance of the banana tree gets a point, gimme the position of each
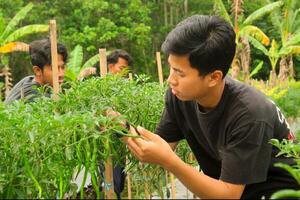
(276, 52)
(272, 53)
(287, 21)
(10, 34)
(75, 64)
(243, 29)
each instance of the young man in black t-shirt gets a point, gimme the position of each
(227, 124)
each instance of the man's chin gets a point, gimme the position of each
(181, 98)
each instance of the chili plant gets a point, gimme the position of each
(42, 144)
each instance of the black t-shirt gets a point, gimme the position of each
(231, 142)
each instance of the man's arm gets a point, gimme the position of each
(153, 149)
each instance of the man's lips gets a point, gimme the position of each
(174, 91)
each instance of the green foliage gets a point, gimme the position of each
(256, 69)
(289, 102)
(289, 149)
(43, 143)
(74, 65)
(286, 194)
(10, 33)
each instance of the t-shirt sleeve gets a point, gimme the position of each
(168, 127)
(247, 155)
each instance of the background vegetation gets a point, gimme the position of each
(63, 136)
(138, 26)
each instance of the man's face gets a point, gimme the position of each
(46, 74)
(119, 66)
(185, 81)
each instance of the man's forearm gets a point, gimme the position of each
(200, 184)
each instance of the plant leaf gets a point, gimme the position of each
(75, 60)
(255, 32)
(262, 11)
(294, 40)
(15, 20)
(26, 30)
(220, 8)
(290, 50)
(286, 193)
(256, 69)
(258, 45)
(14, 46)
(90, 62)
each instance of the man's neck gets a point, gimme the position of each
(210, 102)
(38, 80)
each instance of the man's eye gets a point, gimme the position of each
(179, 73)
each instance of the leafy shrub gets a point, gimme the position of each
(42, 143)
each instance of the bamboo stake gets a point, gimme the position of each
(103, 63)
(108, 184)
(159, 67)
(54, 59)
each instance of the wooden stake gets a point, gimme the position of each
(159, 67)
(54, 59)
(103, 63)
(109, 183)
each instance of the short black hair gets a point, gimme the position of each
(113, 57)
(208, 40)
(40, 52)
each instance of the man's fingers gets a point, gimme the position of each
(132, 130)
(133, 152)
(146, 134)
(132, 143)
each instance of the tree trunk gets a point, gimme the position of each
(166, 12)
(235, 68)
(286, 68)
(185, 4)
(172, 13)
(245, 57)
(176, 14)
(8, 80)
(273, 78)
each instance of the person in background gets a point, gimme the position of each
(117, 61)
(227, 124)
(40, 56)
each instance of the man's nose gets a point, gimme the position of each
(171, 80)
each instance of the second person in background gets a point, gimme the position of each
(117, 61)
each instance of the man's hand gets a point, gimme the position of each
(86, 72)
(150, 148)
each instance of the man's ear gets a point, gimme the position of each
(37, 71)
(215, 77)
(110, 67)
